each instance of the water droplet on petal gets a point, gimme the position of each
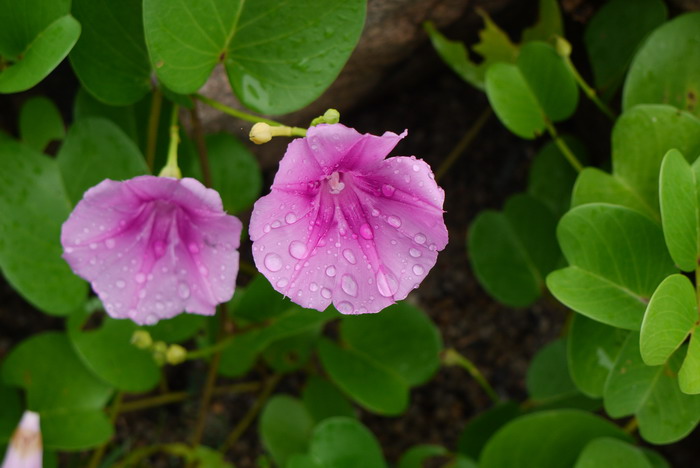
(415, 253)
(297, 250)
(344, 307)
(120, 284)
(93, 246)
(282, 283)
(349, 256)
(419, 238)
(150, 320)
(140, 278)
(160, 306)
(375, 212)
(110, 243)
(330, 271)
(387, 284)
(313, 287)
(142, 294)
(394, 221)
(183, 290)
(418, 270)
(388, 190)
(366, 231)
(266, 228)
(273, 262)
(290, 218)
(349, 285)
(326, 293)
(203, 270)
(416, 168)
(276, 224)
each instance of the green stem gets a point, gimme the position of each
(153, 119)
(233, 112)
(178, 449)
(115, 410)
(198, 137)
(588, 91)
(631, 426)
(451, 357)
(464, 143)
(563, 147)
(250, 416)
(209, 350)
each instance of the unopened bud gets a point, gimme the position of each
(159, 352)
(562, 46)
(260, 133)
(141, 339)
(175, 354)
(331, 116)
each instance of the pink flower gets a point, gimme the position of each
(153, 247)
(344, 225)
(25, 449)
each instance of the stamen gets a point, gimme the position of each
(334, 183)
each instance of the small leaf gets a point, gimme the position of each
(668, 320)
(416, 455)
(611, 452)
(345, 443)
(75, 430)
(494, 44)
(617, 258)
(285, 427)
(324, 400)
(666, 70)
(512, 251)
(456, 55)
(679, 210)
(689, 374)
(40, 122)
(549, 23)
(479, 430)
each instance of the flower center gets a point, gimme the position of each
(335, 186)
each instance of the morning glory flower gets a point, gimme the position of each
(25, 449)
(344, 225)
(153, 247)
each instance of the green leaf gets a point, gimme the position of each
(33, 205)
(96, 149)
(617, 258)
(41, 56)
(75, 430)
(689, 374)
(652, 394)
(416, 455)
(512, 251)
(177, 329)
(551, 176)
(549, 79)
(666, 70)
(614, 34)
(592, 350)
(206, 457)
(549, 23)
(285, 427)
(456, 56)
(324, 400)
(235, 172)
(513, 101)
(679, 210)
(547, 439)
(11, 411)
(345, 443)
(55, 379)
(494, 45)
(668, 320)
(23, 21)
(479, 430)
(260, 301)
(611, 452)
(293, 352)
(278, 56)
(302, 461)
(40, 122)
(110, 59)
(85, 105)
(107, 351)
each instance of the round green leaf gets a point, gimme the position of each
(324, 400)
(416, 455)
(260, 301)
(512, 251)
(668, 320)
(479, 429)
(75, 430)
(679, 210)
(513, 101)
(96, 149)
(547, 439)
(177, 329)
(110, 59)
(41, 56)
(33, 206)
(40, 122)
(665, 413)
(55, 379)
(613, 35)
(611, 452)
(689, 375)
(666, 70)
(617, 258)
(293, 352)
(107, 351)
(549, 79)
(345, 443)
(592, 349)
(285, 427)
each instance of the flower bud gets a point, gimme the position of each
(260, 133)
(175, 354)
(331, 116)
(159, 352)
(141, 339)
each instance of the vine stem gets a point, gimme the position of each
(451, 357)
(250, 416)
(464, 143)
(174, 397)
(153, 119)
(589, 91)
(179, 449)
(233, 112)
(115, 410)
(631, 426)
(563, 147)
(198, 137)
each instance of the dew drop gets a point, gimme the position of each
(388, 190)
(366, 231)
(394, 221)
(375, 212)
(93, 246)
(151, 319)
(183, 290)
(290, 218)
(142, 294)
(418, 270)
(330, 271)
(415, 253)
(419, 238)
(349, 285)
(69, 250)
(203, 270)
(362, 310)
(140, 278)
(313, 287)
(110, 243)
(159, 248)
(416, 168)
(345, 307)
(387, 284)
(326, 293)
(282, 283)
(120, 284)
(276, 224)
(297, 250)
(93, 261)
(349, 256)
(266, 228)
(159, 306)
(273, 262)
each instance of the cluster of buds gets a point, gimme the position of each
(162, 352)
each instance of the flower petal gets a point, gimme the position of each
(25, 448)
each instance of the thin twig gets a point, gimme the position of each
(198, 137)
(451, 357)
(153, 119)
(233, 112)
(563, 147)
(464, 143)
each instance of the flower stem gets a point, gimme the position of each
(588, 91)
(464, 143)
(114, 411)
(250, 416)
(174, 397)
(233, 112)
(198, 137)
(153, 119)
(178, 449)
(563, 147)
(451, 357)
(631, 426)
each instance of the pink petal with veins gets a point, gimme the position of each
(365, 230)
(25, 448)
(153, 247)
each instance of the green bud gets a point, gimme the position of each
(159, 352)
(331, 116)
(141, 339)
(175, 354)
(563, 46)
